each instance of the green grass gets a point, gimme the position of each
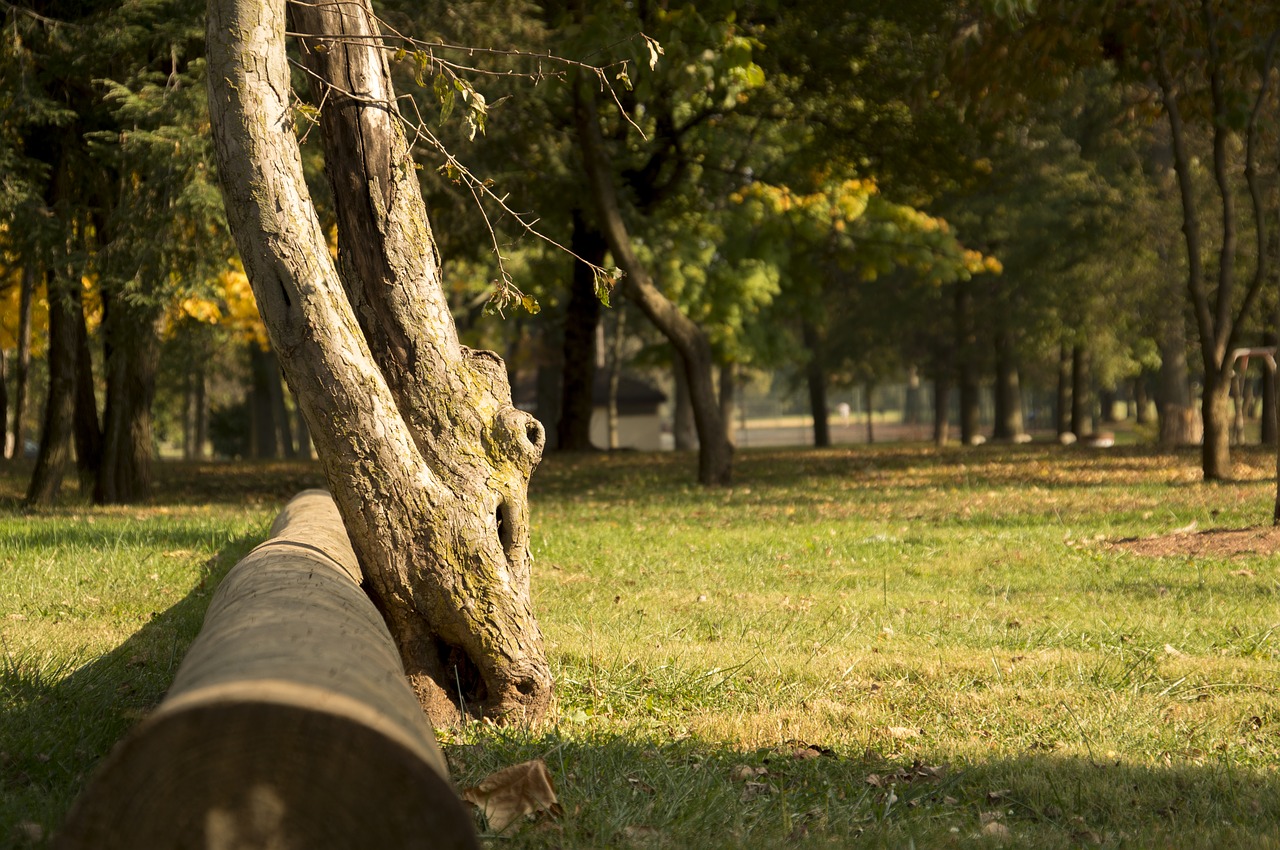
(901, 646)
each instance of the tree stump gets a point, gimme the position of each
(290, 723)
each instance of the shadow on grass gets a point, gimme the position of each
(651, 791)
(56, 724)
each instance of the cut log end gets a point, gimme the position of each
(275, 776)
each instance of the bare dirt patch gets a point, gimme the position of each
(1220, 542)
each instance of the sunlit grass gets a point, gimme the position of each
(887, 645)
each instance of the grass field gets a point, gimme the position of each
(885, 646)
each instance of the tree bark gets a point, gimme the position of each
(615, 373)
(942, 371)
(89, 438)
(22, 363)
(4, 403)
(1062, 406)
(715, 453)
(816, 377)
(1008, 395)
(132, 361)
(1081, 397)
(426, 457)
(728, 401)
(1268, 425)
(870, 389)
(263, 433)
(59, 411)
(966, 368)
(684, 429)
(581, 318)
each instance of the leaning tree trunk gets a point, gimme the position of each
(715, 452)
(426, 456)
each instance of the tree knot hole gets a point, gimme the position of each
(506, 528)
(464, 683)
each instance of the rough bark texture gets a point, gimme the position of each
(288, 724)
(426, 457)
(581, 318)
(715, 453)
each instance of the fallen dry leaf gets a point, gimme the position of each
(513, 793)
(642, 834)
(743, 772)
(997, 832)
(903, 732)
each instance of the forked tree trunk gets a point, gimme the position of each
(715, 452)
(427, 458)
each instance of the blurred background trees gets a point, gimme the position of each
(993, 219)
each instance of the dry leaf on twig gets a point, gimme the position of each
(513, 793)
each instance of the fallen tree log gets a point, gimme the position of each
(290, 723)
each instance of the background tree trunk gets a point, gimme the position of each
(4, 402)
(816, 378)
(728, 401)
(1081, 397)
(132, 360)
(966, 368)
(59, 412)
(1008, 395)
(22, 360)
(684, 430)
(89, 438)
(1062, 407)
(426, 457)
(942, 372)
(581, 318)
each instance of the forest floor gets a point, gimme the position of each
(886, 645)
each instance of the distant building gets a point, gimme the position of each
(639, 412)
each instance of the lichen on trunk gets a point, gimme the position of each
(426, 457)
